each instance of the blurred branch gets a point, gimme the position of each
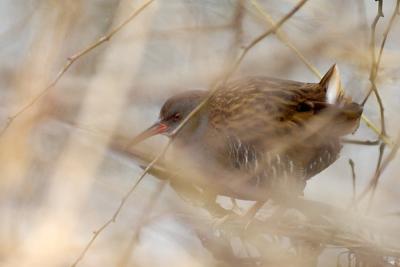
(284, 39)
(333, 234)
(70, 61)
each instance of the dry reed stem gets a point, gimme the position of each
(70, 61)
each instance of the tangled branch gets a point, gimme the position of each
(375, 62)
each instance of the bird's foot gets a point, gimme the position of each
(232, 222)
(251, 214)
(235, 206)
(241, 222)
(220, 223)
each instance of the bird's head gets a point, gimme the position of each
(172, 113)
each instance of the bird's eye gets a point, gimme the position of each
(176, 117)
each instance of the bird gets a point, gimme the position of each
(258, 137)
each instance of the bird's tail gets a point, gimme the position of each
(345, 112)
(332, 83)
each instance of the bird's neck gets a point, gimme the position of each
(194, 131)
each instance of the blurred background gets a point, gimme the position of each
(59, 182)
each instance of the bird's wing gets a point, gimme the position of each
(261, 108)
(277, 122)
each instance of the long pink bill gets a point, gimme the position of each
(157, 128)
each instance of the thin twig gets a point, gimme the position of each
(386, 33)
(69, 63)
(284, 39)
(376, 62)
(384, 138)
(373, 76)
(378, 15)
(97, 232)
(353, 180)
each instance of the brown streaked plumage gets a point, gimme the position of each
(261, 136)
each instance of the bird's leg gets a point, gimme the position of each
(254, 209)
(245, 219)
(211, 205)
(226, 216)
(235, 205)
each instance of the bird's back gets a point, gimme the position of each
(274, 130)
